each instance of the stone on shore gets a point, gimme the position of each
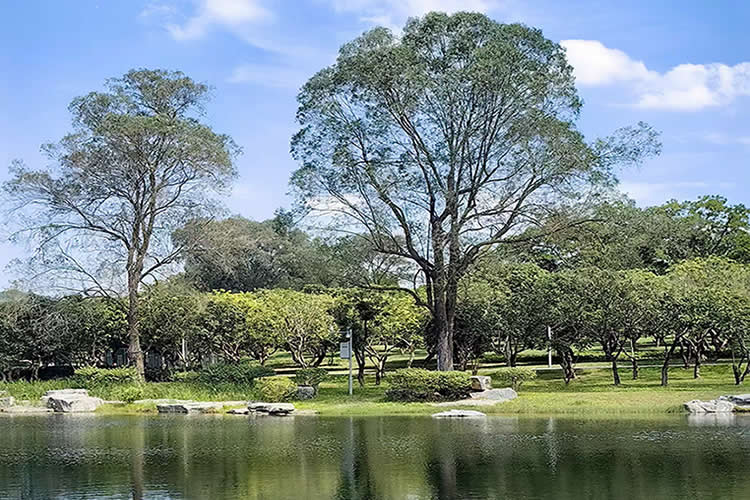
(713, 406)
(6, 401)
(739, 399)
(62, 392)
(481, 383)
(239, 411)
(505, 394)
(72, 402)
(27, 410)
(189, 407)
(459, 414)
(271, 408)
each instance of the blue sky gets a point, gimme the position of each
(682, 66)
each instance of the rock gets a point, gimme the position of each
(740, 399)
(7, 401)
(713, 406)
(481, 383)
(27, 409)
(305, 392)
(505, 394)
(271, 408)
(62, 392)
(189, 407)
(459, 414)
(239, 411)
(73, 403)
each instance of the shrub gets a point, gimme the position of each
(189, 376)
(418, 384)
(514, 377)
(91, 375)
(128, 393)
(310, 376)
(233, 373)
(276, 389)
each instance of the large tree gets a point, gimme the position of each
(446, 141)
(138, 165)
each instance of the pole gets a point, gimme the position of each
(549, 347)
(351, 352)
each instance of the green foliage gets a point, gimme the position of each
(233, 373)
(515, 377)
(188, 376)
(418, 384)
(129, 393)
(93, 376)
(276, 389)
(310, 376)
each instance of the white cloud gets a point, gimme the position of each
(656, 193)
(221, 13)
(722, 139)
(393, 13)
(686, 87)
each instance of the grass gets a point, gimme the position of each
(591, 393)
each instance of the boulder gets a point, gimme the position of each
(189, 407)
(459, 414)
(481, 383)
(305, 392)
(73, 403)
(505, 394)
(739, 399)
(239, 411)
(62, 392)
(271, 408)
(24, 409)
(713, 406)
(6, 401)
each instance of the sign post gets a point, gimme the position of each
(346, 353)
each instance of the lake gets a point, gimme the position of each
(222, 457)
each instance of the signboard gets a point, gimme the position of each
(345, 354)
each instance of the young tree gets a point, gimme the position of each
(447, 141)
(138, 165)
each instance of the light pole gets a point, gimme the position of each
(349, 336)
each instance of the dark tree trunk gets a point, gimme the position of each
(565, 355)
(135, 354)
(615, 372)
(634, 364)
(665, 367)
(444, 328)
(697, 366)
(359, 355)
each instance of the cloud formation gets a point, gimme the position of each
(685, 87)
(393, 13)
(221, 13)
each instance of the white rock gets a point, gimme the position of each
(505, 394)
(239, 411)
(271, 408)
(481, 383)
(459, 414)
(739, 399)
(73, 403)
(7, 401)
(713, 406)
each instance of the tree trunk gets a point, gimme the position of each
(508, 352)
(665, 367)
(697, 366)
(615, 372)
(135, 354)
(634, 364)
(565, 354)
(444, 328)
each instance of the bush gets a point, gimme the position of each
(418, 384)
(310, 376)
(236, 373)
(128, 393)
(514, 377)
(276, 389)
(92, 376)
(189, 376)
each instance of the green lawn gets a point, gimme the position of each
(591, 393)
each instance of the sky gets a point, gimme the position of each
(681, 66)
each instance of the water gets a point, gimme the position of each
(218, 457)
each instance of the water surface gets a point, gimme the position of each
(223, 457)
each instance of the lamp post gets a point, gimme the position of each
(346, 349)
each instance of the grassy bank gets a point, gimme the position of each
(591, 393)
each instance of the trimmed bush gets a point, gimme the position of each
(233, 373)
(276, 389)
(128, 393)
(418, 384)
(514, 377)
(91, 375)
(310, 376)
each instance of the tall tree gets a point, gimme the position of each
(138, 165)
(446, 141)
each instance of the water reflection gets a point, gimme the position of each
(179, 457)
